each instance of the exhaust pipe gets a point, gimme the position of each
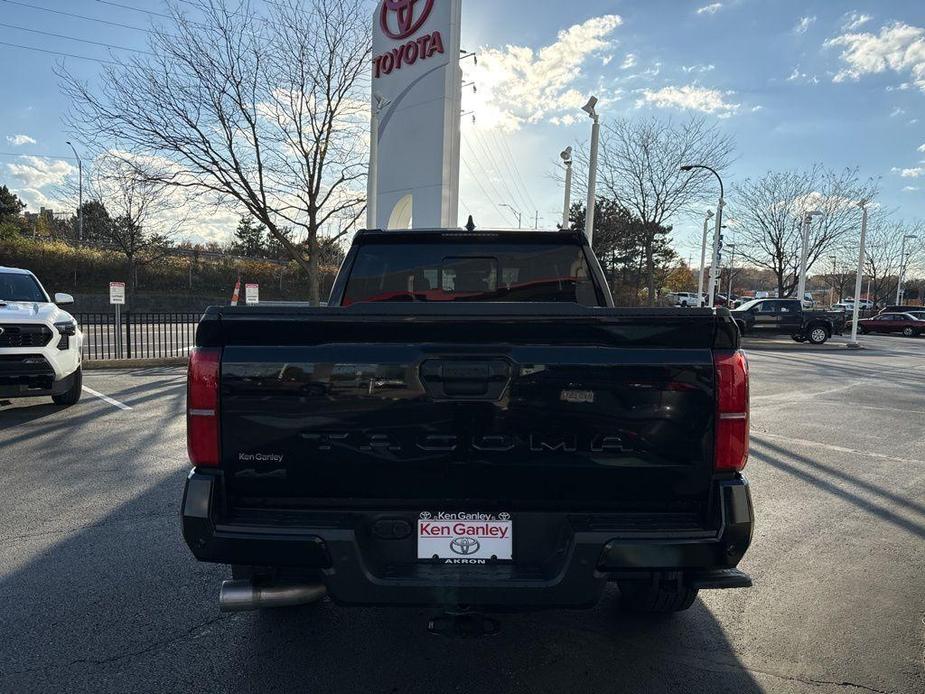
(240, 596)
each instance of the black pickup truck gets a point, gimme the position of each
(788, 317)
(471, 424)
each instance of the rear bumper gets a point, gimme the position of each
(335, 548)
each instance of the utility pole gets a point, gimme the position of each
(903, 261)
(518, 214)
(732, 262)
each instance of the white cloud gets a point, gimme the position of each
(698, 68)
(802, 77)
(854, 20)
(804, 24)
(520, 85)
(922, 149)
(896, 112)
(910, 189)
(905, 86)
(898, 48)
(909, 173)
(757, 109)
(35, 172)
(629, 61)
(691, 97)
(710, 9)
(20, 140)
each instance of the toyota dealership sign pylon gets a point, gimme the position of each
(416, 95)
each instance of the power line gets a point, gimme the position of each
(478, 179)
(486, 149)
(135, 9)
(506, 147)
(74, 38)
(76, 16)
(66, 55)
(37, 156)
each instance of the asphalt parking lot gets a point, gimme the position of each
(99, 593)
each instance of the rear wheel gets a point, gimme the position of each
(818, 335)
(72, 394)
(658, 597)
(909, 332)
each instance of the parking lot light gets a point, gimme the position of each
(703, 256)
(804, 256)
(862, 258)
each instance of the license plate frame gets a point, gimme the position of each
(465, 538)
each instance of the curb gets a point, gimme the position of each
(103, 364)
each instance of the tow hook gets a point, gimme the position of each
(463, 625)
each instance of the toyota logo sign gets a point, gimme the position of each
(465, 546)
(398, 17)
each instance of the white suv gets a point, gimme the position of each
(40, 345)
(684, 299)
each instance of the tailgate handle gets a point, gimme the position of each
(460, 379)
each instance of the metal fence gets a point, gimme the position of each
(137, 335)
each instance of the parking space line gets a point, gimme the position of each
(106, 398)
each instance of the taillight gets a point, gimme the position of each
(202, 407)
(732, 411)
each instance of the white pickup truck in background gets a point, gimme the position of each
(40, 343)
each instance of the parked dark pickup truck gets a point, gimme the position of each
(471, 424)
(788, 317)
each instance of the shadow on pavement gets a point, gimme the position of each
(826, 478)
(120, 605)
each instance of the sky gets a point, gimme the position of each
(795, 82)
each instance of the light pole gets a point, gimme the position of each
(719, 226)
(80, 194)
(703, 256)
(567, 208)
(903, 261)
(804, 256)
(732, 262)
(862, 258)
(591, 109)
(520, 217)
(372, 184)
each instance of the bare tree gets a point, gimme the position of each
(262, 112)
(145, 216)
(640, 171)
(884, 254)
(769, 215)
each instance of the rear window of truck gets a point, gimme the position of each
(464, 272)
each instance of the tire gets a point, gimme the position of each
(661, 598)
(72, 394)
(817, 335)
(909, 332)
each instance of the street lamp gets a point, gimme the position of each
(80, 194)
(804, 256)
(903, 261)
(566, 210)
(380, 103)
(703, 256)
(520, 217)
(862, 258)
(719, 226)
(591, 109)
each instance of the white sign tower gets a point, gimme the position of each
(416, 97)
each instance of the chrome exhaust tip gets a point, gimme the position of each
(241, 596)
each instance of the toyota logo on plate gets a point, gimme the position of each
(405, 24)
(465, 545)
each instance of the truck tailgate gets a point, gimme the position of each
(523, 407)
